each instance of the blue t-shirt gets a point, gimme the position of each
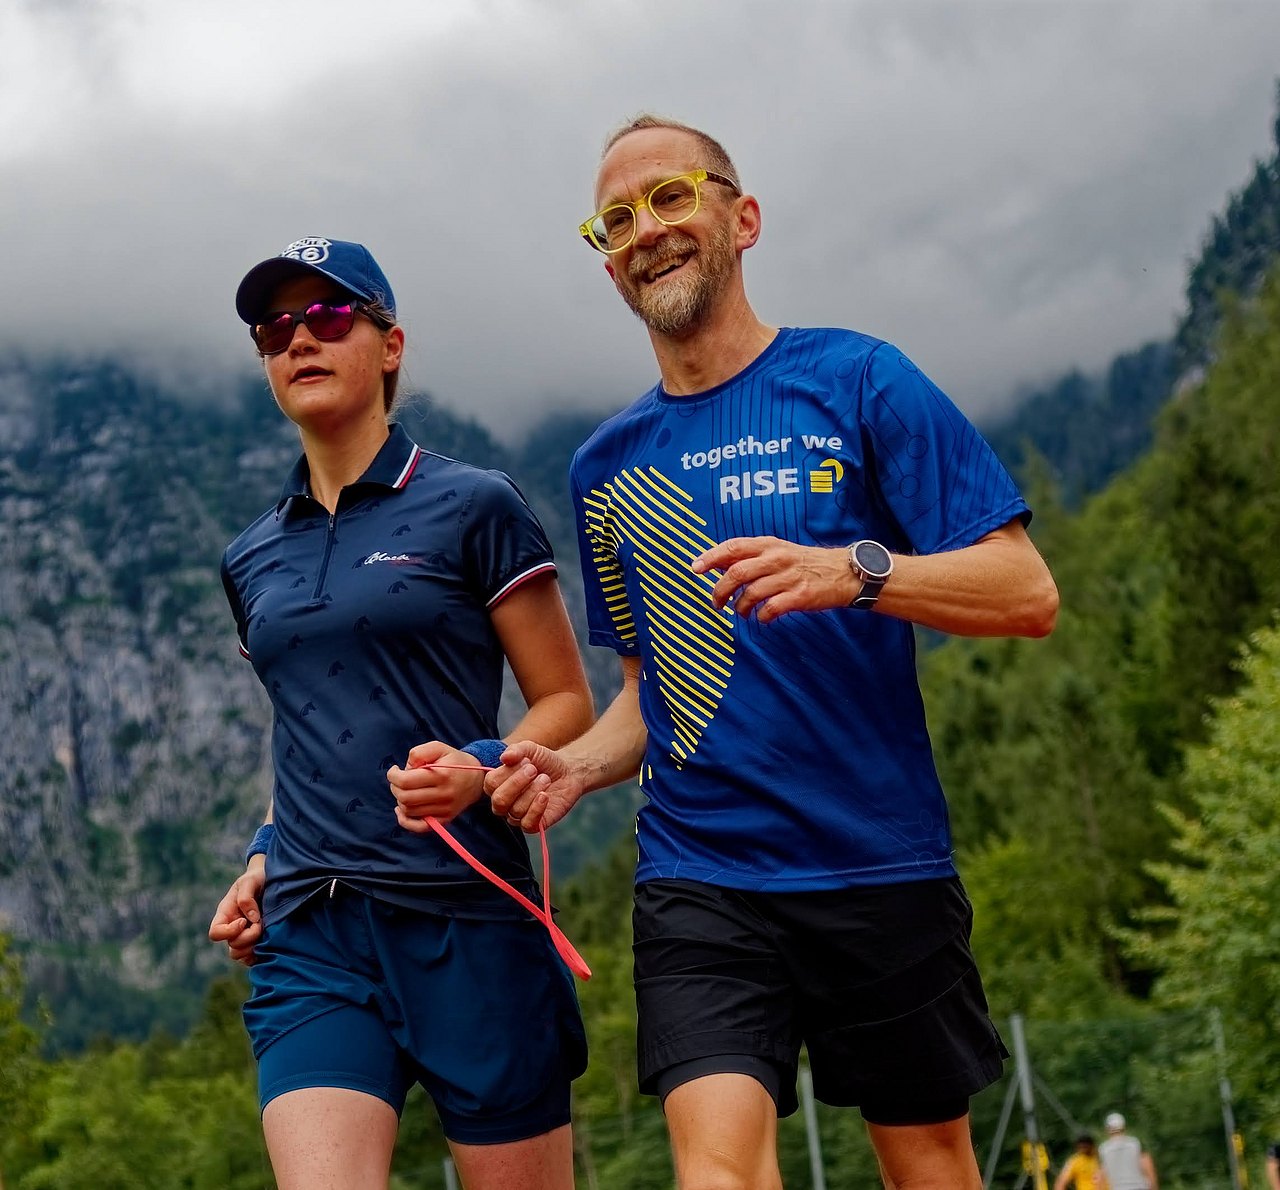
(370, 630)
(792, 755)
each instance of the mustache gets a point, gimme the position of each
(672, 247)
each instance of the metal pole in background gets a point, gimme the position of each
(1034, 1157)
(811, 1127)
(450, 1175)
(993, 1155)
(1234, 1142)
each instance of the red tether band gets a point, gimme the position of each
(564, 948)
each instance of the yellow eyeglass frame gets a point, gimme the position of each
(696, 176)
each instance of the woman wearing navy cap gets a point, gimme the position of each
(377, 601)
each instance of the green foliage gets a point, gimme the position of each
(158, 1115)
(1218, 943)
(1058, 754)
(1090, 785)
(1221, 505)
(111, 1121)
(21, 1072)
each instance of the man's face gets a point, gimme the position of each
(671, 277)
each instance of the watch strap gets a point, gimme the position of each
(871, 588)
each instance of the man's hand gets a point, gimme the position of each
(535, 787)
(774, 577)
(238, 919)
(440, 793)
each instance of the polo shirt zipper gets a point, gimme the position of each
(324, 562)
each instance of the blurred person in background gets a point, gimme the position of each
(1125, 1163)
(1082, 1170)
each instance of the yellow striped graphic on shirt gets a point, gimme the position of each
(692, 656)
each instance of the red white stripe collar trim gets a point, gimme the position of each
(403, 477)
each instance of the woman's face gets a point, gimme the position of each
(322, 386)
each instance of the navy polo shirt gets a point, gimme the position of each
(370, 630)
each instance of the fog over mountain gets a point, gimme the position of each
(1004, 189)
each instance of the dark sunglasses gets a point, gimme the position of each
(325, 320)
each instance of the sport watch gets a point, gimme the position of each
(873, 564)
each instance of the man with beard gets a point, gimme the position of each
(759, 532)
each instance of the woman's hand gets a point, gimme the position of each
(441, 793)
(238, 918)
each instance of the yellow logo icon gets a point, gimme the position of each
(826, 475)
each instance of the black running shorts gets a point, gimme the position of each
(878, 983)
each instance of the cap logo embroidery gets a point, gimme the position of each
(309, 250)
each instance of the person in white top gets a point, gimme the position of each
(1126, 1164)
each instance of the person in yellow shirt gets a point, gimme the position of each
(1082, 1170)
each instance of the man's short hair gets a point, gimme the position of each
(717, 160)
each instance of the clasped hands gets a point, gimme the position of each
(533, 788)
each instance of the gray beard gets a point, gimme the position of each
(680, 305)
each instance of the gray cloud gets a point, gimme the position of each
(1004, 189)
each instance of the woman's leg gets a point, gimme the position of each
(540, 1163)
(330, 1138)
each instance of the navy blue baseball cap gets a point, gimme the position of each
(351, 265)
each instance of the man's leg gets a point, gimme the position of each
(724, 1130)
(542, 1162)
(330, 1138)
(717, 1038)
(926, 1156)
(897, 1023)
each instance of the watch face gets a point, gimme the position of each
(873, 559)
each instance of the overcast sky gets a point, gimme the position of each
(1003, 189)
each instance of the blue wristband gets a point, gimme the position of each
(487, 752)
(261, 841)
